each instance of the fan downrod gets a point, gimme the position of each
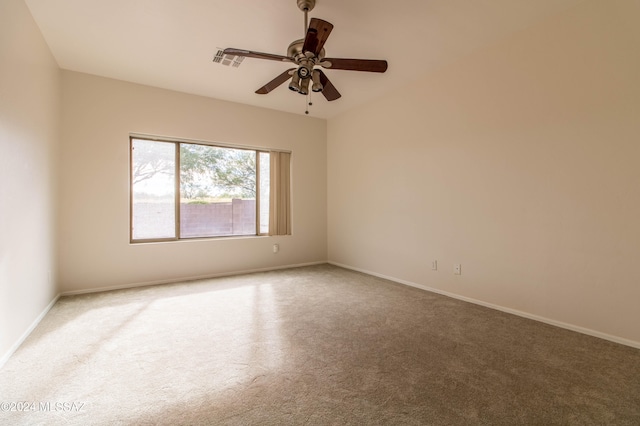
(306, 5)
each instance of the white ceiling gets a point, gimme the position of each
(171, 43)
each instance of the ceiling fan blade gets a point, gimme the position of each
(317, 35)
(275, 82)
(258, 55)
(329, 91)
(369, 65)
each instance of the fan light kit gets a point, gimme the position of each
(308, 53)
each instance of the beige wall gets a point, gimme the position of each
(29, 123)
(99, 114)
(521, 162)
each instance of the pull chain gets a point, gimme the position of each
(308, 102)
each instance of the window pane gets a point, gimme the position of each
(265, 183)
(217, 191)
(153, 189)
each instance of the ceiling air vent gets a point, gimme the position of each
(227, 60)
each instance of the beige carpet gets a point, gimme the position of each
(309, 346)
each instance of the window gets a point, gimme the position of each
(185, 190)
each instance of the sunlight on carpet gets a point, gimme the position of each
(313, 345)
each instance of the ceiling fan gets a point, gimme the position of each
(307, 53)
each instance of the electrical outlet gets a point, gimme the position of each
(276, 248)
(434, 265)
(457, 270)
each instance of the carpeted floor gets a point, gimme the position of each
(314, 345)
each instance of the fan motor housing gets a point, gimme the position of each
(295, 51)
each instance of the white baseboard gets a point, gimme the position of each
(27, 332)
(549, 321)
(560, 324)
(191, 278)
